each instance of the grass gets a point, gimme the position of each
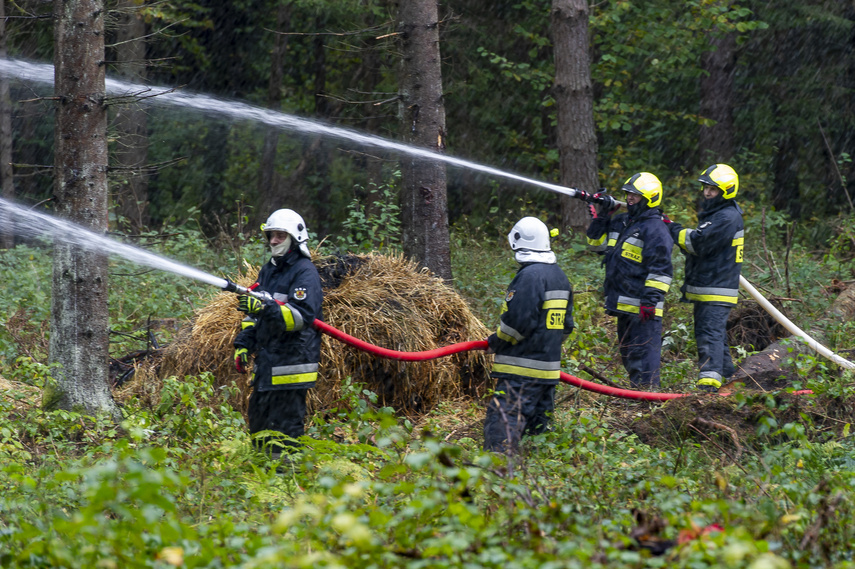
(178, 484)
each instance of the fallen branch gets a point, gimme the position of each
(729, 430)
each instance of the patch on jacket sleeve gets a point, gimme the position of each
(510, 295)
(300, 294)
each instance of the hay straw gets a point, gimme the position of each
(384, 300)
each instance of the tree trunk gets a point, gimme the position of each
(131, 120)
(7, 238)
(715, 142)
(424, 200)
(268, 184)
(785, 166)
(774, 366)
(574, 97)
(79, 318)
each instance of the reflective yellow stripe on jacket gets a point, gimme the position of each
(659, 282)
(739, 243)
(300, 373)
(632, 249)
(293, 319)
(527, 367)
(684, 240)
(598, 244)
(632, 305)
(712, 294)
(555, 304)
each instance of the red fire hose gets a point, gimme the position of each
(482, 345)
(395, 355)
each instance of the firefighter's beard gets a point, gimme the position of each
(281, 248)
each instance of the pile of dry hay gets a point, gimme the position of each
(383, 300)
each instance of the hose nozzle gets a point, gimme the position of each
(237, 289)
(234, 287)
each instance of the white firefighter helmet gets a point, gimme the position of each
(290, 222)
(529, 234)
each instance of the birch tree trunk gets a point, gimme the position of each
(131, 124)
(574, 97)
(424, 199)
(7, 238)
(79, 318)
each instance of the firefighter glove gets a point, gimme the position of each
(607, 206)
(249, 304)
(666, 219)
(241, 360)
(592, 211)
(646, 313)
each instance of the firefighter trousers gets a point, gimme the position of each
(640, 349)
(714, 359)
(520, 406)
(283, 411)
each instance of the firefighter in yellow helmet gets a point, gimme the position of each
(713, 252)
(637, 248)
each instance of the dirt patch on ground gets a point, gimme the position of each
(737, 422)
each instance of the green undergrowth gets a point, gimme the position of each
(181, 484)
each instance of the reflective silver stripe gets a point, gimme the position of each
(628, 300)
(635, 241)
(294, 369)
(556, 294)
(299, 324)
(712, 291)
(661, 278)
(688, 241)
(738, 234)
(525, 362)
(505, 329)
(281, 297)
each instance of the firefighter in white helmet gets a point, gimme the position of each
(537, 316)
(280, 334)
(713, 253)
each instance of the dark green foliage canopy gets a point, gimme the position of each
(793, 112)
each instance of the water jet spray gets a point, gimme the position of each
(44, 73)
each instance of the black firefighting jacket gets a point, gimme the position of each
(713, 253)
(537, 314)
(286, 345)
(637, 260)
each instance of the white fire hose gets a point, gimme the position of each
(796, 331)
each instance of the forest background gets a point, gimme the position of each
(178, 484)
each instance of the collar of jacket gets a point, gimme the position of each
(648, 213)
(526, 257)
(287, 259)
(715, 204)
